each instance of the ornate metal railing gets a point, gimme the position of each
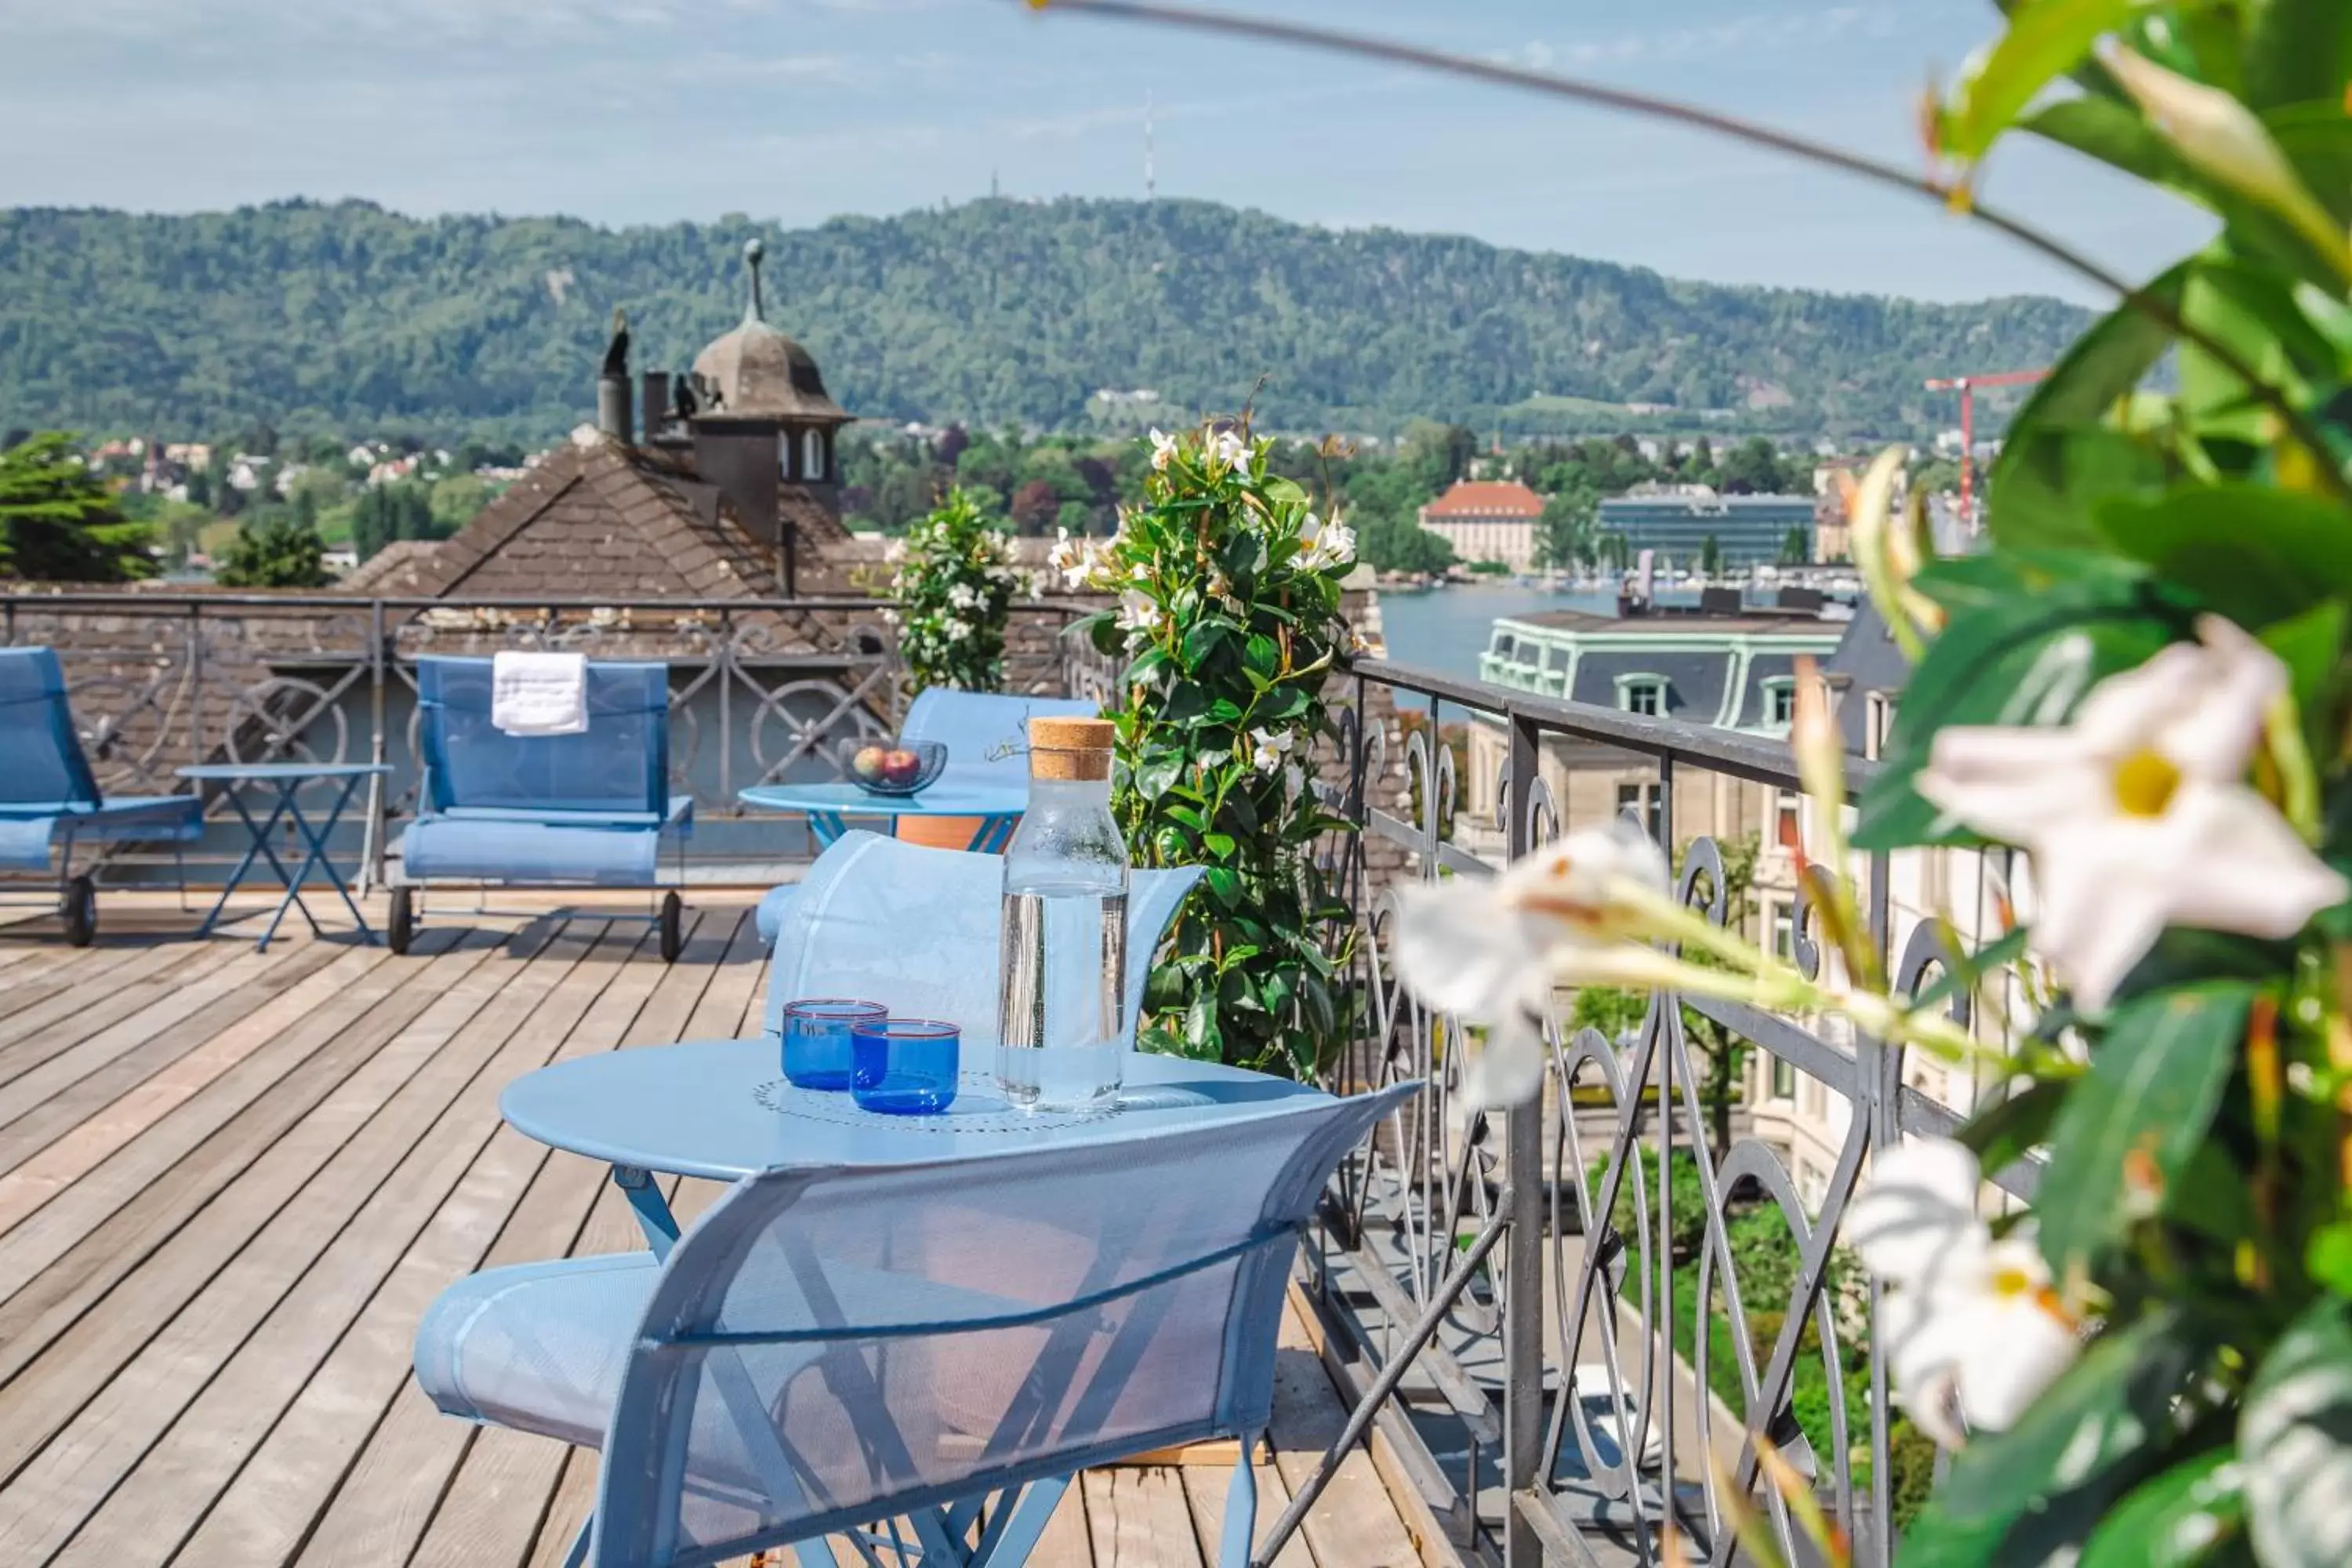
(1565, 1361)
(759, 690)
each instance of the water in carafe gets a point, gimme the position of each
(1061, 1016)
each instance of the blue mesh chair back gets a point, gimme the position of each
(618, 767)
(919, 930)
(982, 729)
(41, 759)
(827, 1347)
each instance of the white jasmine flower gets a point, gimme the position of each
(1138, 610)
(1974, 1330)
(1267, 749)
(1230, 449)
(896, 552)
(2137, 814)
(1163, 448)
(1488, 950)
(964, 596)
(955, 629)
(1294, 781)
(1325, 543)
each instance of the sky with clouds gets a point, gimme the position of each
(629, 112)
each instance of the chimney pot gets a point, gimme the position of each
(653, 403)
(612, 408)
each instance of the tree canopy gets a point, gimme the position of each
(58, 522)
(308, 318)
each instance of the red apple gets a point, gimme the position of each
(869, 763)
(901, 768)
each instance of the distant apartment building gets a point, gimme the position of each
(1487, 520)
(1748, 531)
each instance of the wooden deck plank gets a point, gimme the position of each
(55, 1265)
(1139, 1519)
(294, 1208)
(107, 1110)
(224, 1220)
(319, 1248)
(1204, 1491)
(507, 1479)
(169, 1007)
(377, 1507)
(29, 993)
(365, 1302)
(1355, 1522)
(97, 997)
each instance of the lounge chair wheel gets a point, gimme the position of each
(79, 909)
(673, 923)
(401, 929)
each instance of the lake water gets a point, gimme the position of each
(1443, 630)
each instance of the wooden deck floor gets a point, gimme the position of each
(230, 1182)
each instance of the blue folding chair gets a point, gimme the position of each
(51, 799)
(987, 737)
(941, 1346)
(919, 931)
(542, 811)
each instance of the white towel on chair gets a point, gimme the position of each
(539, 693)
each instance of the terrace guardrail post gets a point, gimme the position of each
(379, 805)
(1523, 1259)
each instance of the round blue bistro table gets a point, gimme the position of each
(998, 805)
(721, 1109)
(285, 780)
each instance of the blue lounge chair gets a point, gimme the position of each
(49, 798)
(588, 810)
(986, 736)
(939, 1345)
(918, 929)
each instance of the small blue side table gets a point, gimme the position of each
(828, 806)
(285, 780)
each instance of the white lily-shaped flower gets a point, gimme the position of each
(1073, 558)
(964, 596)
(1326, 542)
(1230, 449)
(1163, 449)
(1973, 1328)
(1490, 951)
(1138, 610)
(2137, 814)
(1268, 750)
(955, 631)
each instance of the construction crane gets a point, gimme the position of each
(1966, 385)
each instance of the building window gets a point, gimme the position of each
(1781, 923)
(1643, 694)
(1877, 724)
(1784, 1080)
(812, 454)
(1646, 803)
(1780, 703)
(1788, 819)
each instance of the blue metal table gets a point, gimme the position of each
(721, 1109)
(285, 780)
(997, 803)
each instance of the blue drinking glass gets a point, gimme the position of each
(818, 1051)
(905, 1066)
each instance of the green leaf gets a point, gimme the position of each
(2044, 484)
(2311, 645)
(1262, 656)
(2256, 553)
(1224, 885)
(2177, 1519)
(2295, 1431)
(2114, 132)
(2044, 41)
(1201, 1037)
(2296, 51)
(2004, 1133)
(2154, 1085)
(1157, 771)
(2330, 1257)
(2027, 661)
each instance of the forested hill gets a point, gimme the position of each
(346, 318)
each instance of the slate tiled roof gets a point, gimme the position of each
(601, 519)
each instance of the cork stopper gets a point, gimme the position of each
(1071, 748)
